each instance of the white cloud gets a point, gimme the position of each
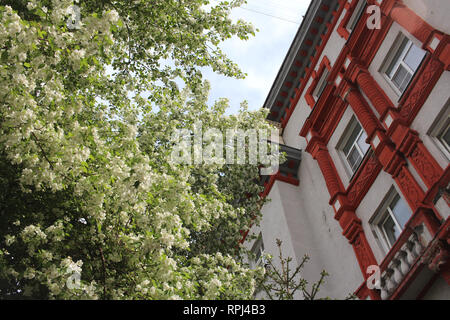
(261, 56)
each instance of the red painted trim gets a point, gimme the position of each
(372, 90)
(363, 112)
(363, 180)
(325, 64)
(409, 20)
(342, 28)
(314, 61)
(278, 176)
(346, 216)
(397, 142)
(420, 88)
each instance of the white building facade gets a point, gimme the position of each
(363, 102)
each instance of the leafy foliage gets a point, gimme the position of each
(87, 186)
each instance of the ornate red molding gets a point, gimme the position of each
(411, 190)
(422, 160)
(362, 111)
(342, 28)
(314, 60)
(409, 20)
(363, 179)
(370, 87)
(325, 64)
(345, 214)
(419, 89)
(326, 165)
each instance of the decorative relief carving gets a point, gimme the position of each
(423, 162)
(368, 85)
(363, 251)
(363, 112)
(359, 188)
(419, 91)
(328, 170)
(410, 188)
(411, 22)
(437, 256)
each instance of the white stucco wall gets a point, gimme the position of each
(301, 217)
(338, 161)
(291, 134)
(302, 110)
(429, 113)
(368, 208)
(382, 53)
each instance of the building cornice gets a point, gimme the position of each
(300, 59)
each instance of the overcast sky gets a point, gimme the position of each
(261, 56)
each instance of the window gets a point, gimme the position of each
(320, 85)
(319, 82)
(444, 136)
(440, 130)
(406, 58)
(354, 146)
(357, 13)
(258, 252)
(391, 219)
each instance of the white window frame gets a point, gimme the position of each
(445, 131)
(398, 56)
(357, 13)
(321, 84)
(382, 214)
(346, 139)
(440, 126)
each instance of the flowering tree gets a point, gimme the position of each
(91, 205)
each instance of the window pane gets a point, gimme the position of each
(362, 142)
(352, 138)
(414, 57)
(258, 251)
(321, 84)
(400, 77)
(356, 14)
(401, 211)
(354, 158)
(390, 229)
(406, 82)
(390, 71)
(445, 137)
(258, 255)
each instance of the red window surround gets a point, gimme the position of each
(342, 28)
(316, 77)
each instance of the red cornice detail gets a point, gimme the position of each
(316, 76)
(409, 20)
(326, 165)
(373, 91)
(362, 111)
(314, 61)
(342, 30)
